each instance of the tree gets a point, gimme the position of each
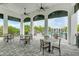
(50, 29)
(65, 29)
(39, 29)
(27, 29)
(12, 30)
(78, 28)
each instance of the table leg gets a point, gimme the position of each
(49, 50)
(7, 40)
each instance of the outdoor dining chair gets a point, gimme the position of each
(27, 39)
(56, 45)
(44, 45)
(8, 37)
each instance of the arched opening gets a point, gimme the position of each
(13, 26)
(76, 11)
(27, 25)
(38, 25)
(1, 25)
(58, 24)
(77, 21)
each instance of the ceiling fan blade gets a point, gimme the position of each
(26, 14)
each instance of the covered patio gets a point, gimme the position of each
(31, 12)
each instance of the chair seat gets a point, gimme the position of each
(45, 46)
(55, 47)
(55, 44)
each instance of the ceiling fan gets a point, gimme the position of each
(25, 12)
(43, 8)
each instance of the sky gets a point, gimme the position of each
(54, 22)
(11, 23)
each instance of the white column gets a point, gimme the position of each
(32, 29)
(5, 24)
(22, 26)
(70, 13)
(46, 25)
(53, 30)
(73, 28)
(69, 28)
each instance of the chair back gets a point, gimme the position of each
(56, 41)
(41, 42)
(9, 35)
(22, 37)
(5, 36)
(27, 37)
(44, 43)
